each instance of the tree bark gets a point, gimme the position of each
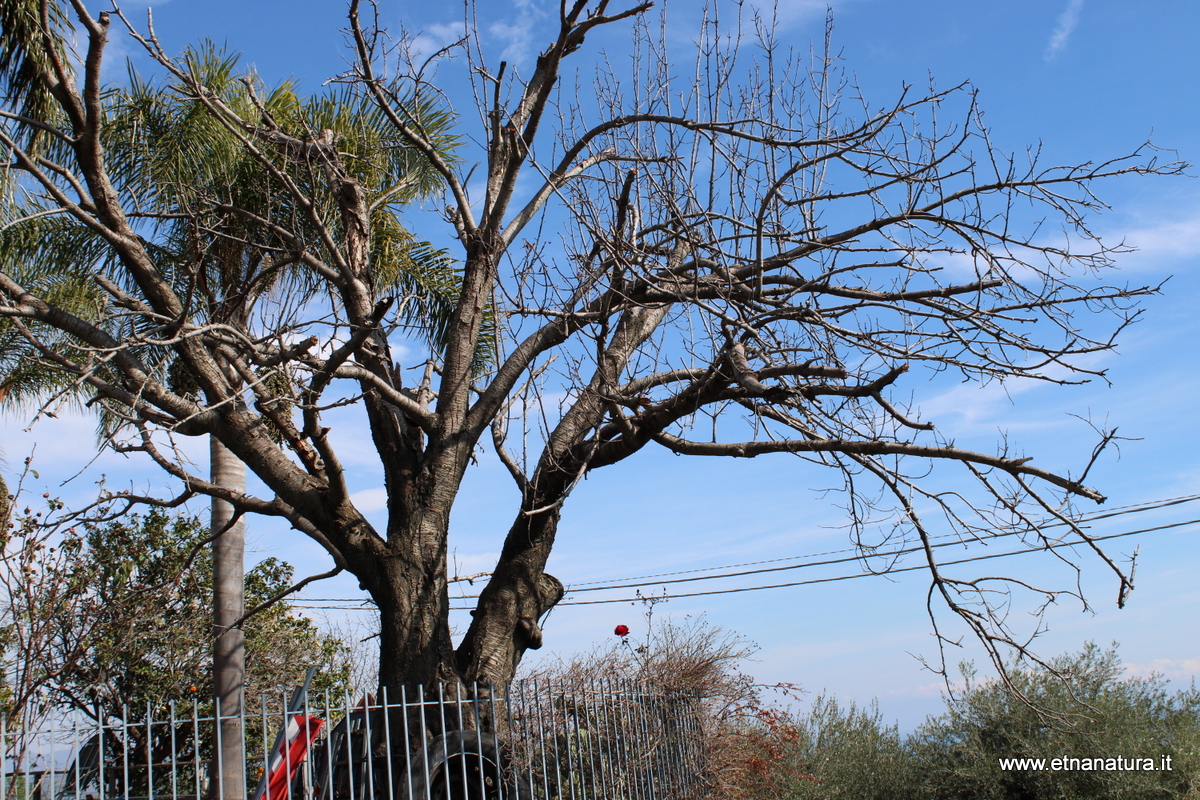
(415, 645)
(229, 653)
(505, 623)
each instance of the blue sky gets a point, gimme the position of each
(1082, 79)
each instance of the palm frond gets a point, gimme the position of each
(27, 46)
(54, 258)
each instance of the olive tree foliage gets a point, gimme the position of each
(1107, 714)
(1101, 714)
(738, 260)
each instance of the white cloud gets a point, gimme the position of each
(517, 36)
(369, 500)
(1066, 26)
(974, 408)
(1163, 234)
(518, 33)
(433, 39)
(1169, 668)
(1162, 241)
(400, 352)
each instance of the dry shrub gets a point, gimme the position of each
(746, 732)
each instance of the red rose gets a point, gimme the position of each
(621, 630)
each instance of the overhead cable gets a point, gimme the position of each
(857, 555)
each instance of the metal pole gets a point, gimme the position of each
(424, 737)
(407, 742)
(150, 750)
(387, 740)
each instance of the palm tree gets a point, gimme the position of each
(230, 265)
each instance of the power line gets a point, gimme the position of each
(950, 539)
(877, 574)
(953, 540)
(1134, 508)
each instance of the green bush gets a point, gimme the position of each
(844, 753)
(1081, 708)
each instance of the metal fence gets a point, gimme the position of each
(529, 740)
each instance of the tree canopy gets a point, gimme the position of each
(745, 262)
(112, 618)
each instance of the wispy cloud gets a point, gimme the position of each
(369, 500)
(1169, 668)
(1168, 239)
(518, 33)
(1066, 26)
(433, 38)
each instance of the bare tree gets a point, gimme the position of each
(753, 248)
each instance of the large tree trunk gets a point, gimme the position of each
(229, 652)
(416, 653)
(414, 635)
(505, 622)
(408, 582)
(520, 592)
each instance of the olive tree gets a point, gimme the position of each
(1102, 713)
(751, 247)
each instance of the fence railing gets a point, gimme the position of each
(528, 740)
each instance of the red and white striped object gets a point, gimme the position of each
(287, 758)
